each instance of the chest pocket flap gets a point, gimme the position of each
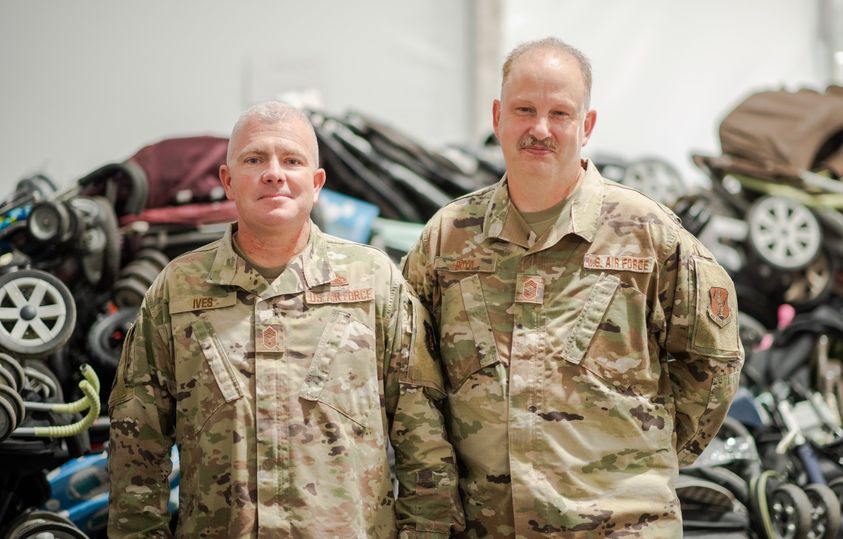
(586, 325)
(220, 367)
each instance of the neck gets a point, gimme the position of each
(274, 249)
(532, 193)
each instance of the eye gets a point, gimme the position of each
(295, 161)
(524, 110)
(559, 113)
(252, 160)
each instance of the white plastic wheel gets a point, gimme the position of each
(656, 178)
(785, 234)
(37, 313)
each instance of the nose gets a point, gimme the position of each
(273, 172)
(540, 129)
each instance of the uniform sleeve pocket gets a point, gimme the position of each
(715, 326)
(419, 366)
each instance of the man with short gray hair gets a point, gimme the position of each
(590, 342)
(282, 362)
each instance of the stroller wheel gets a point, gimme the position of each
(825, 518)
(128, 292)
(785, 234)
(11, 411)
(152, 255)
(37, 313)
(790, 509)
(144, 271)
(655, 178)
(49, 222)
(14, 367)
(812, 284)
(105, 338)
(36, 187)
(43, 524)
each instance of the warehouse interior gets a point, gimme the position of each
(400, 94)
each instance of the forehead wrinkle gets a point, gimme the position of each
(299, 132)
(546, 71)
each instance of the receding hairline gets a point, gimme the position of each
(273, 112)
(550, 44)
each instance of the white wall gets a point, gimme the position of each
(88, 82)
(667, 71)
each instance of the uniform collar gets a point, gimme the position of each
(306, 270)
(503, 221)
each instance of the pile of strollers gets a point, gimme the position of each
(772, 218)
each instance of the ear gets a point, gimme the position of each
(588, 125)
(319, 177)
(496, 116)
(225, 179)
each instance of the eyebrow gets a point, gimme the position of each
(264, 153)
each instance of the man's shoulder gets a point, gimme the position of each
(465, 213)
(472, 203)
(621, 201)
(196, 260)
(361, 258)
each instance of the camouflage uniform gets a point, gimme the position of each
(567, 414)
(280, 397)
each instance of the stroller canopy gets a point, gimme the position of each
(787, 132)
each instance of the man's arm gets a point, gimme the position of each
(141, 435)
(428, 502)
(417, 268)
(699, 300)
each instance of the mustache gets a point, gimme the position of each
(530, 140)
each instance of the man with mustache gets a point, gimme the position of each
(281, 361)
(590, 342)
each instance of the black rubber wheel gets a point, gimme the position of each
(836, 485)
(729, 479)
(43, 525)
(7, 379)
(8, 417)
(111, 263)
(28, 326)
(825, 518)
(49, 390)
(14, 367)
(791, 510)
(128, 292)
(14, 398)
(105, 338)
(811, 285)
(144, 271)
(155, 256)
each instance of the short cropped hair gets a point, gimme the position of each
(271, 112)
(551, 43)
